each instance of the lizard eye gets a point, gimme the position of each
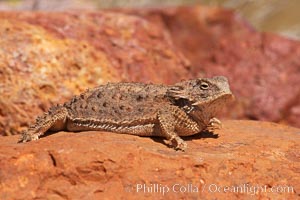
(204, 86)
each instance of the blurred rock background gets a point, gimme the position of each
(265, 15)
(47, 57)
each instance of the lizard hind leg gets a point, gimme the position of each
(54, 119)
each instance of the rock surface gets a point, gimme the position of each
(46, 58)
(61, 54)
(102, 165)
(263, 68)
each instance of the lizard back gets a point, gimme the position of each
(117, 102)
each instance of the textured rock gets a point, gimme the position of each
(93, 165)
(139, 50)
(263, 68)
(37, 69)
(48, 57)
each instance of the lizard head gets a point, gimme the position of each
(207, 94)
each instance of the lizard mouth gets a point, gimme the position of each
(222, 99)
(205, 110)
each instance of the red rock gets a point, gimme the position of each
(139, 50)
(97, 165)
(37, 69)
(263, 68)
(48, 57)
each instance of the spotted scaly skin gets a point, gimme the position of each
(169, 111)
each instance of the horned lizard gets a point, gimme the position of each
(183, 109)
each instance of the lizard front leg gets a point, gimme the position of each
(167, 122)
(54, 119)
(214, 124)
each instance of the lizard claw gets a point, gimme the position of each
(214, 124)
(28, 137)
(177, 143)
(181, 146)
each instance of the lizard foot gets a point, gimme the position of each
(26, 137)
(177, 143)
(214, 124)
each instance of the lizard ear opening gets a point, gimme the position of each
(177, 92)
